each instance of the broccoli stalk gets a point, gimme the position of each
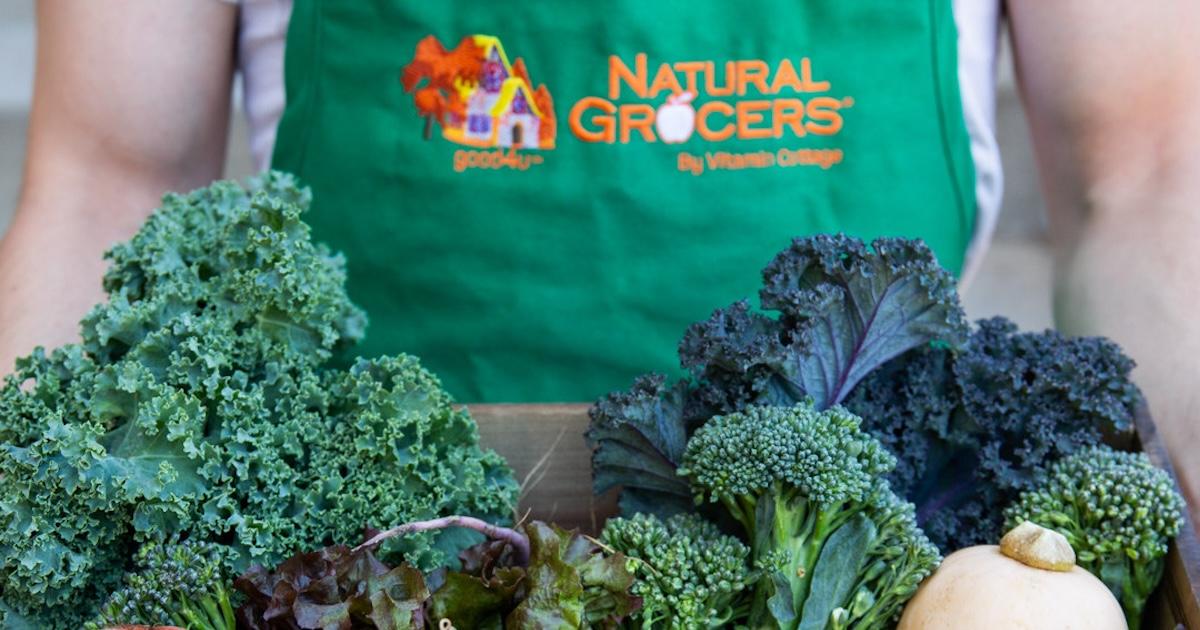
(1118, 511)
(690, 575)
(901, 557)
(837, 547)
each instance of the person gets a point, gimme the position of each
(537, 198)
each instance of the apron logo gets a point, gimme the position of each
(675, 120)
(480, 100)
(743, 100)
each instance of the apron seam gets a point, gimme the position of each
(312, 98)
(965, 221)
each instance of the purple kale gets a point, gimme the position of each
(842, 309)
(639, 437)
(878, 329)
(971, 427)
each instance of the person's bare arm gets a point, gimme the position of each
(1112, 90)
(131, 99)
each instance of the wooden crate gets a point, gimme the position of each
(545, 442)
(1176, 603)
(553, 435)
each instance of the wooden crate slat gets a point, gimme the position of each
(1180, 588)
(524, 434)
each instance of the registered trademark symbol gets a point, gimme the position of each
(848, 101)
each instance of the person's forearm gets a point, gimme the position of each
(1110, 90)
(1138, 282)
(129, 102)
(50, 259)
(75, 204)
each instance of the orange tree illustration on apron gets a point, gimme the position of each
(477, 97)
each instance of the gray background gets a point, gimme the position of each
(1015, 279)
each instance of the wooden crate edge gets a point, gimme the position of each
(1181, 582)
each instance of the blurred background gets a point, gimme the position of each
(1015, 279)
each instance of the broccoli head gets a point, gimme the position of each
(836, 546)
(180, 584)
(690, 575)
(1117, 510)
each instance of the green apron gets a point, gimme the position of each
(538, 197)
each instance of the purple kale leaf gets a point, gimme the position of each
(971, 427)
(639, 437)
(843, 310)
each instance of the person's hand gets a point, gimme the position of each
(131, 99)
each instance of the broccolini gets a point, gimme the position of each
(1117, 510)
(690, 575)
(180, 584)
(837, 547)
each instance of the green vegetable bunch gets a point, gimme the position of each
(203, 401)
(690, 575)
(1118, 511)
(180, 584)
(837, 548)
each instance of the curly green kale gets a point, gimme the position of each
(840, 309)
(1118, 511)
(202, 402)
(178, 584)
(690, 575)
(971, 427)
(837, 546)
